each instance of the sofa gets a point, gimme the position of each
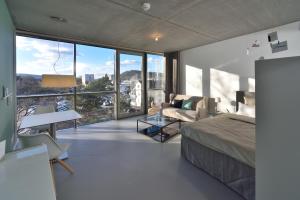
(201, 108)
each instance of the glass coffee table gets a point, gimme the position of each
(159, 129)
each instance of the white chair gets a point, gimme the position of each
(41, 109)
(55, 150)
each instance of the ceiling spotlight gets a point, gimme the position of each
(156, 36)
(58, 19)
(146, 6)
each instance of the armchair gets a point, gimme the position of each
(55, 150)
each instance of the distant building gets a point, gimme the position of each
(136, 94)
(111, 77)
(125, 87)
(87, 78)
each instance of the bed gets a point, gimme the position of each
(224, 147)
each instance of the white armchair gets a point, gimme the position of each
(55, 150)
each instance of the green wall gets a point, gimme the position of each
(7, 45)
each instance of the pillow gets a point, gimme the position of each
(187, 104)
(246, 110)
(176, 103)
(202, 104)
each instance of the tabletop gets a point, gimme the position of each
(158, 120)
(26, 175)
(48, 118)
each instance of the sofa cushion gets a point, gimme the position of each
(170, 112)
(176, 103)
(184, 115)
(202, 108)
(195, 99)
(182, 97)
(187, 104)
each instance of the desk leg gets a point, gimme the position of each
(65, 155)
(53, 131)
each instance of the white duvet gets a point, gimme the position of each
(231, 134)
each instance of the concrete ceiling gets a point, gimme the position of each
(181, 24)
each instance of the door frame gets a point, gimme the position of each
(118, 114)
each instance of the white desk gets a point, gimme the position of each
(49, 118)
(26, 175)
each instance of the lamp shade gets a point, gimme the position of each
(58, 81)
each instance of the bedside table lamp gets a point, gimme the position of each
(217, 101)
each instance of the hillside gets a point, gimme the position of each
(137, 74)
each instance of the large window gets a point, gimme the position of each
(156, 79)
(94, 67)
(131, 84)
(95, 73)
(34, 58)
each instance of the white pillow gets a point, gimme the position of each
(246, 110)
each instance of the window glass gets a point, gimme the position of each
(38, 56)
(95, 68)
(156, 79)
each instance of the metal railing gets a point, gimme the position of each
(88, 104)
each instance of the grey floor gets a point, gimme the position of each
(112, 162)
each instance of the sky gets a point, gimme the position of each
(37, 56)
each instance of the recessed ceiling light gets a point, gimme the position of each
(58, 19)
(156, 36)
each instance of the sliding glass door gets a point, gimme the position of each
(130, 87)
(155, 79)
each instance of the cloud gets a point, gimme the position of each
(39, 56)
(110, 63)
(36, 56)
(97, 70)
(128, 62)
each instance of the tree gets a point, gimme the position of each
(100, 84)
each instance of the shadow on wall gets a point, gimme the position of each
(218, 83)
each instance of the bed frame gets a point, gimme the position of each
(234, 174)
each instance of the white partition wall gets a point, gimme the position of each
(278, 129)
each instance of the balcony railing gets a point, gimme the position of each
(93, 106)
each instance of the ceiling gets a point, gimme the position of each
(180, 24)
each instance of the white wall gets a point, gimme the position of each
(219, 69)
(277, 129)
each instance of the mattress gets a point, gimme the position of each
(231, 134)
